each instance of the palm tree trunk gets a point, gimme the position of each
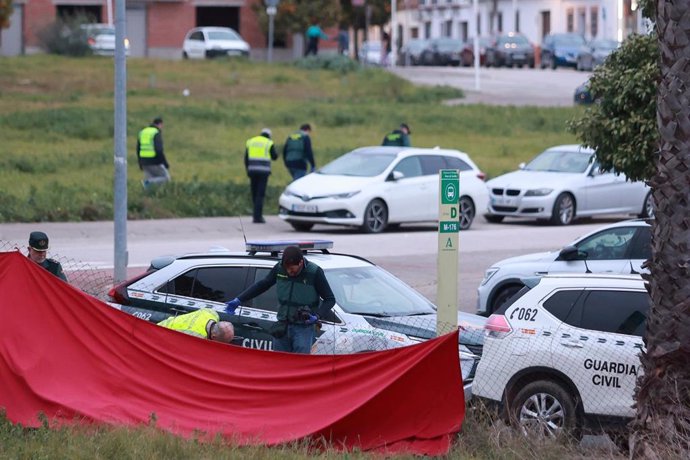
(662, 425)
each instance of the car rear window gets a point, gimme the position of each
(561, 303)
(511, 300)
(620, 312)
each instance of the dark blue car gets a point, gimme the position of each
(561, 50)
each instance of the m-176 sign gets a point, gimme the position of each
(448, 228)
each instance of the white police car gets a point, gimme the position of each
(621, 247)
(563, 354)
(374, 310)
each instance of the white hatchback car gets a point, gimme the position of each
(621, 247)
(101, 39)
(377, 187)
(564, 355)
(212, 42)
(563, 183)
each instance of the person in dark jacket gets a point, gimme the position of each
(258, 153)
(304, 296)
(38, 249)
(297, 152)
(150, 154)
(399, 137)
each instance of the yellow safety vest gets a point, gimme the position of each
(193, 323)
(259, 154)
(146, 147)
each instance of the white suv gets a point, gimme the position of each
(563, 355)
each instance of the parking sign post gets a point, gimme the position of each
(448, 227)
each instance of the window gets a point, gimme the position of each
(479, 24)
(217, 284)
(517, 20)
(410, 167)
(609, 244)
(641, 247)
(447, 29)
(620, 312)
(561, 303)
(570, 19)
(457, 163)
(594, 21)
(197, 36)
(431, 164)
(427, 29)
(269, 299)
(464, 30)
(499, 21)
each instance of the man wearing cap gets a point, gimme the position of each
(258, 153)
(150, 154)
(304, 296)
(297, 152)
(399, 137)
(204, 323)
(38, 248)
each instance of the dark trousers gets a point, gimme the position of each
(258, 184)
(312, 46)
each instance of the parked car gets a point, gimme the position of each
(510, 49)
(213, 42)
(467, 53)
(374, 310)
(595, 53)
(621, 247)
(561, 50)
(101, 39)
(442, 51)
(369, 53)
(562, 183)
(377, 187)
(562, 358)
(410, 52)
(583, 95)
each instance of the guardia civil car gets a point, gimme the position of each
(563, 354)
(374, 310)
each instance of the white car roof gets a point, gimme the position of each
(409, 151)
(575, 148)
(593, 280)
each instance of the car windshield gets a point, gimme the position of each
(562, 162)
(375, 292)
(518, 39)
(358, 164)
(449, 44)
(605, 45)
(223, 35)
(416, 44)
(569, 40)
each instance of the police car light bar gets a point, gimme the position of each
(276, 246)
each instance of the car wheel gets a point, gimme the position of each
(375, 217)
(502, 296)
(563, 210)
(553, 63)
(467, 212)
(542, 62)
(493, 219)
(647, 206)
(531, 64)
(544, 408)
(302, 226)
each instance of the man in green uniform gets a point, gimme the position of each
(300, 286)
(297, 152)
(203, 323)
(399, 137)
(38, 249)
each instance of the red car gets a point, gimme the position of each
(467, 54)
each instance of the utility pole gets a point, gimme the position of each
(120, 144)
(271, 10)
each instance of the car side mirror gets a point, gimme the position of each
(395, 176)
(572, 253)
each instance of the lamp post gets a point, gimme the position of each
(271, 10)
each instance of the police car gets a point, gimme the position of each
(374, 310)
(563, 354)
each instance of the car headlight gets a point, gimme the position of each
(489, 274)
(343, 195)
(538, 192)
(288, 192)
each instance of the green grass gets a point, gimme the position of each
(56, 119)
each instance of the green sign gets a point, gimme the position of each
(449, 227)
(450, 186)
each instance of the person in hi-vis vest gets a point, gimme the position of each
(258, 153)
(150, 154)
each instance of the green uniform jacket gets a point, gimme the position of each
(54, 267)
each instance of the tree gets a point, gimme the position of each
(641, 127)
(6, 10)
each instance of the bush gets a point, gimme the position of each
(66, 37)
(336, 62)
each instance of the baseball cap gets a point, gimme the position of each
(292, 255)
(38, 241)
(266, 131)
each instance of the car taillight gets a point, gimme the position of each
(91, 41)
(481, 175)
(497, 326)
(118, 293)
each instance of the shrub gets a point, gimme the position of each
(65, 36)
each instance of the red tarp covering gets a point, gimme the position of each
(73, 358)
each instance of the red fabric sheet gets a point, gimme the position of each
(77, 360)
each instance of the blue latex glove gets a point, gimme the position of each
(231, 306)
(312, 319)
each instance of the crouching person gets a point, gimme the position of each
(204, 323)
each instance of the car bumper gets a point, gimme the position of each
(538, 207)
(331, 211)
(566, 61)
(224, 52)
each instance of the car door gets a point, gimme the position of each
(406, 197)
(608, 251)
(598, 191)
(431, 165)
(598, 346)
(197, 47)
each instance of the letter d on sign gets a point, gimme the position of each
(453, 213)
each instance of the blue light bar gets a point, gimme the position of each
(280, 245)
